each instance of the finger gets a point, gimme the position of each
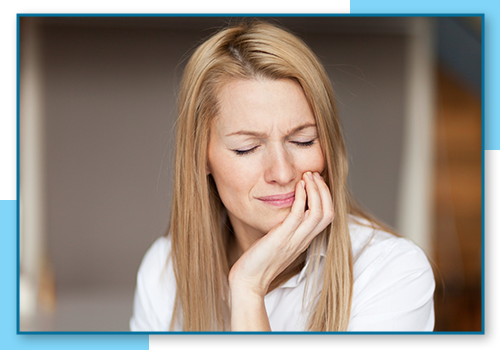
(313, 199)
(309, 230)
(293, 220)
(314, 215)
(326, 201)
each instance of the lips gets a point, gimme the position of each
(278, 197)
(279, 200)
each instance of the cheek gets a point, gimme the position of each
(313, 161)
(229, 180)
(233, 178)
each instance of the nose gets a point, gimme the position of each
(280, 167)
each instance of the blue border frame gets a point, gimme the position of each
(126, 15)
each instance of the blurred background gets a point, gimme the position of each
(97, 113)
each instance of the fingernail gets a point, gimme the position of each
(302, 182)
(317, 175)
(310, 175)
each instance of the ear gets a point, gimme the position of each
(208, 169)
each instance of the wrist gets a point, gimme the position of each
(247, 289)
(240, 283)
(248, 311)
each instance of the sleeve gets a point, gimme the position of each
(155, 290)
(393, 290)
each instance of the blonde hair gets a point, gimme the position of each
(251, 50)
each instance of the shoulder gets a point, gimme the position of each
(155, 259)
(155, 291)
(392, 276)
(373, 249)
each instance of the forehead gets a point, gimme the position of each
(262, 105)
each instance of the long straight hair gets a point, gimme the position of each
(199, 223)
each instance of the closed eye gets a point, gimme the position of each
(303, 144)
(251, 150)
(243, 152)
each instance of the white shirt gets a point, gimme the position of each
(392, 290)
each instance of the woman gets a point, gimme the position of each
(263, 233)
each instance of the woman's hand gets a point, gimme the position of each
(253, 272)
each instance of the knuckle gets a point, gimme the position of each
(297, 215)
(329, 215)
(316, 217)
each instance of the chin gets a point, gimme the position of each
(271, 223)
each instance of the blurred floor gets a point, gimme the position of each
(86, 310)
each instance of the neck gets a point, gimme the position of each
(242, 238)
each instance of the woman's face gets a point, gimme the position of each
(261, 143)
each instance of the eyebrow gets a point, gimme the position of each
(262, 134)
